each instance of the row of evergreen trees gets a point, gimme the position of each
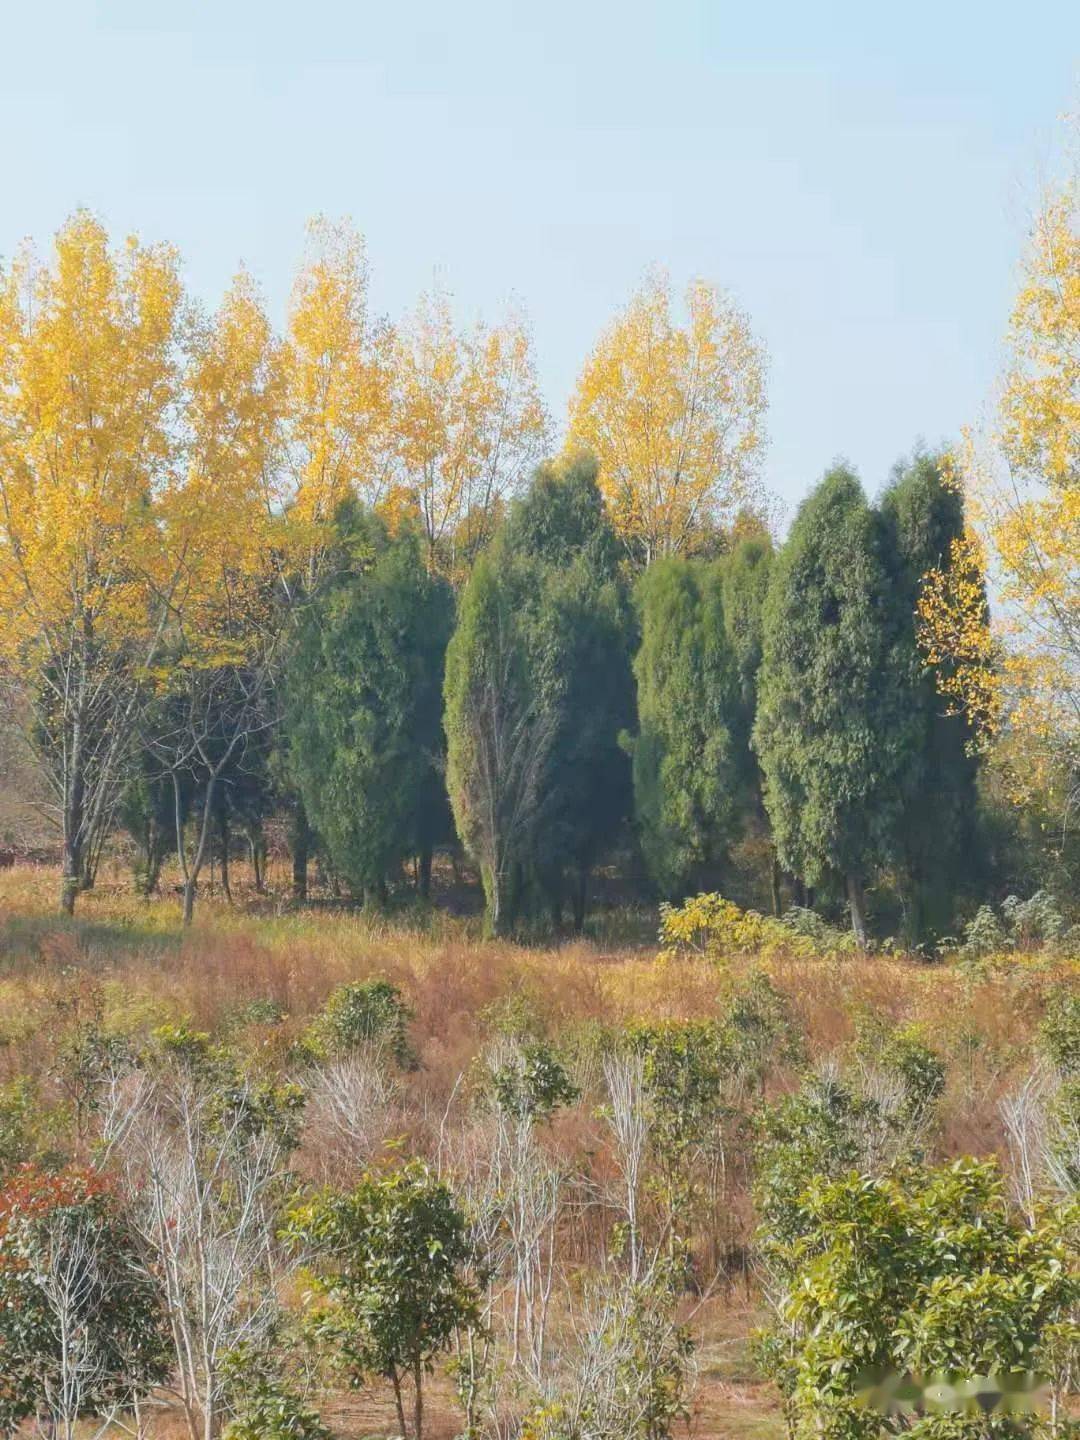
(561, 709)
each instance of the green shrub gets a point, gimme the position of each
(1024, 926)
(902, 1051)
(1059, 1033)
(391, 1283)
(529, 1082)
(922, 1273)
(1033, 923)
(264, 1405)
(367, 1013)
(984, 934)
(758, 1031)
(826, 938)
(825, 1129)
(261, 1011)
(17, 1107)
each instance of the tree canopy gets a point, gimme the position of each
(685, 760)
(363, 683)
(834, 729)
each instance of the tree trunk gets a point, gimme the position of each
(555, 910)
(857, 901)
(423, 874)
(916, 908)
(69, 875)
(155, 855)
(74, 804)
(223, 841)
(497, 909)
(418, 1400)
(255, 844)
(301, 847)
(191, 876)
(581, 897)
(395, 1380)
(512, 902)
(189, 899)
(774, 885)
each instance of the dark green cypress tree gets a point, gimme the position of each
(685, 758)
(923, 513)
(503, 696)
(538, 688)
(362, 711)
(834, 730)
(746, 571)
(562, 525)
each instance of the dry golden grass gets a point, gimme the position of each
(147, 970)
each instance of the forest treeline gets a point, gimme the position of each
(778, 693)
(330, 575)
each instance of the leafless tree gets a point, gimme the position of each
(353, 1105)
(626, 1368)
(1043, 1133)
(101, 1315)
(204, 1171)
(628, 1118)
(211, 716)
(72, 1278)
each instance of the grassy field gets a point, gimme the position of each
(128, 963)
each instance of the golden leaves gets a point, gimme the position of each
(222, 524)
(90, 365)
(1029, 505)
(339, 368)
(164, 468)
(425, 422)
(1021, 682)
(674, 414)
(1040, 409)
(470, 425)
(955, 638)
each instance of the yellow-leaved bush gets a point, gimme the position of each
(713, 928)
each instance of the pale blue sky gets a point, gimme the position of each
(858, 175)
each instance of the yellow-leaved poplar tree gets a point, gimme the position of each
(470, 425)
(674, 413)
(229, 541)
(224, 521)
(1026, 489)
(1022, 682)
(1029, 504)
(90, 367)
(339, 367)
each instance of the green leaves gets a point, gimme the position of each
(833, 730)
(362, 711)
(530, 1082)
(685, 754)
(925, 1271)
(389, 1264)
(537, 690)
(366, 1014)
